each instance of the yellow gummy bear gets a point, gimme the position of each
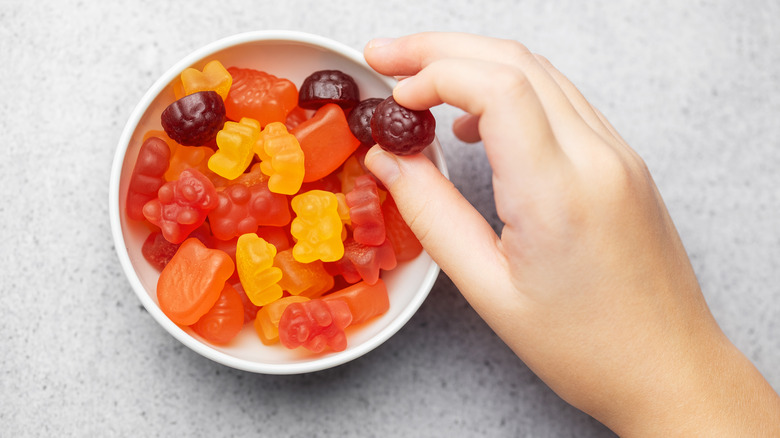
(282, 159)
(317, 227)
(214, 77)
(236, 148)
(254, 260)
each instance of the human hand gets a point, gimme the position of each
(589, 283)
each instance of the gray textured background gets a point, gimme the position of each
(693, 86)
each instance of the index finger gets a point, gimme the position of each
(409, 55)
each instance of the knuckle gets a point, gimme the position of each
(516, 52)
(509, 82)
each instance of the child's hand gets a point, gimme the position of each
(589, 282)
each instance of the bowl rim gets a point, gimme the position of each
(317, 364)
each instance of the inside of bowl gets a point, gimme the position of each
(407, 285)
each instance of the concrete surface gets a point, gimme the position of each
(694, 87)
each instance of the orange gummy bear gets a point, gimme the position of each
(282, 159)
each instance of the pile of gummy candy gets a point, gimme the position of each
(261, 210)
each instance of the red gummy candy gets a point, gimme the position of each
(315, 325)
(365, 212)
(363, 262)
(224, 320)
(365, 300)
(158, 251)
(148, 176)
(405, 243)
(182, 205)
(242, 209)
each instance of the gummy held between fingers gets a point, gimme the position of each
(402, 131)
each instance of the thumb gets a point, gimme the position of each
(455, 235)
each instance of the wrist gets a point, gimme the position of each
(715, 391)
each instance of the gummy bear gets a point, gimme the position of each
(326, 141)
(282, 159)
(260, 96)
(307, 279)
(317, 227)
(245, 204)
(365, 212)
(214, 77)
(255, 258)
(365, 300)
(236, 143)
(192, 281)
(182, 205)
(267, 318)
(147, 176)
(405, 244)
(224, 320)
(363, 262)
(316, 325)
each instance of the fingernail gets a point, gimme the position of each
(379, 42)
(383, 165)
(402, 83)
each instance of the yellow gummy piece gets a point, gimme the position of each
(254, 260)
(317, 227)
(236, 148)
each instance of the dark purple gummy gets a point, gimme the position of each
(360, 120)
(402, 131)
(328, 86)
(194, 120)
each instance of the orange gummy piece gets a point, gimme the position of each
(214, 77)
(306, 279)
(267, 320)
(282, 159)
(365, 300)
(260, 96)
(326, 141)
(191, 282)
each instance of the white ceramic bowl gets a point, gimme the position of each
(292, 55)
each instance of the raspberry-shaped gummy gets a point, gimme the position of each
(194, 120)
(402, 131)
(360, 119)
(328, 86)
